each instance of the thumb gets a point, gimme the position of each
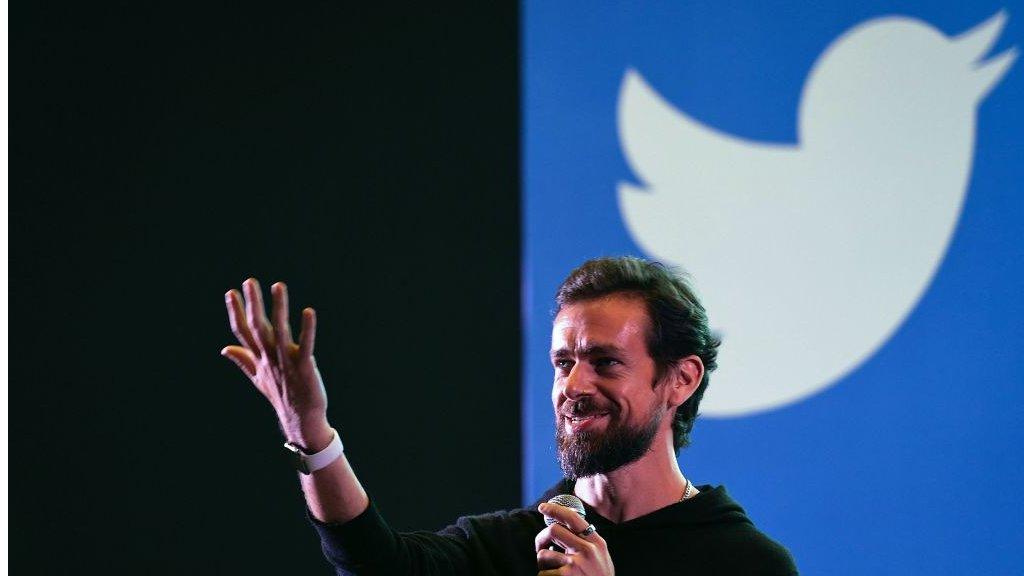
(242, 357)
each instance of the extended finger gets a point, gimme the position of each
(258, 317)
(236, 316)
(564, 516)
(242, 357)
(282, 330)
(547, 559)
(308, 336)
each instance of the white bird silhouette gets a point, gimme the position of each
(811, 255)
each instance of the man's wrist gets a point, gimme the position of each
(312, 438)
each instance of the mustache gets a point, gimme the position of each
(583, 407)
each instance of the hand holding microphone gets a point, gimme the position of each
(584, 551)
(573, 503)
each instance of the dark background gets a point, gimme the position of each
(161, 155)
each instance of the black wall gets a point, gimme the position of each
(160, 155)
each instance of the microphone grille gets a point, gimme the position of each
(569, 501)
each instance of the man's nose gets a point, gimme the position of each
(578, 383)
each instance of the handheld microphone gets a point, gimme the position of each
(569, 501)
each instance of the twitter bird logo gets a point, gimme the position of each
(810, 255)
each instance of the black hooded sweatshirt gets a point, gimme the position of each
(706, 534)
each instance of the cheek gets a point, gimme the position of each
(641, 404)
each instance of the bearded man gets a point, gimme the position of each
(631, 352)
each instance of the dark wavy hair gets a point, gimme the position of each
(678, 322)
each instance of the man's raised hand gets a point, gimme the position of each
(283, 371)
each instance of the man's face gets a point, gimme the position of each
(607, 409)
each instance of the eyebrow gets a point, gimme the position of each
(590, 350)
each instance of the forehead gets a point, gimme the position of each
(615, 319)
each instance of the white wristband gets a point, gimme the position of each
(309, 463)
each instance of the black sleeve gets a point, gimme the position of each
(366, 545)
(486, 545)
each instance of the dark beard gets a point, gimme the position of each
(587, 453)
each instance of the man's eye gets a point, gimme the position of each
(606, 362)
(562, 364)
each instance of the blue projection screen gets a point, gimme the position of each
(843, 183)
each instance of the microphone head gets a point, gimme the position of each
(569, 501)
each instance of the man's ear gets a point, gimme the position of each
(685, 377)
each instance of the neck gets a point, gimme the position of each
(650, 483)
